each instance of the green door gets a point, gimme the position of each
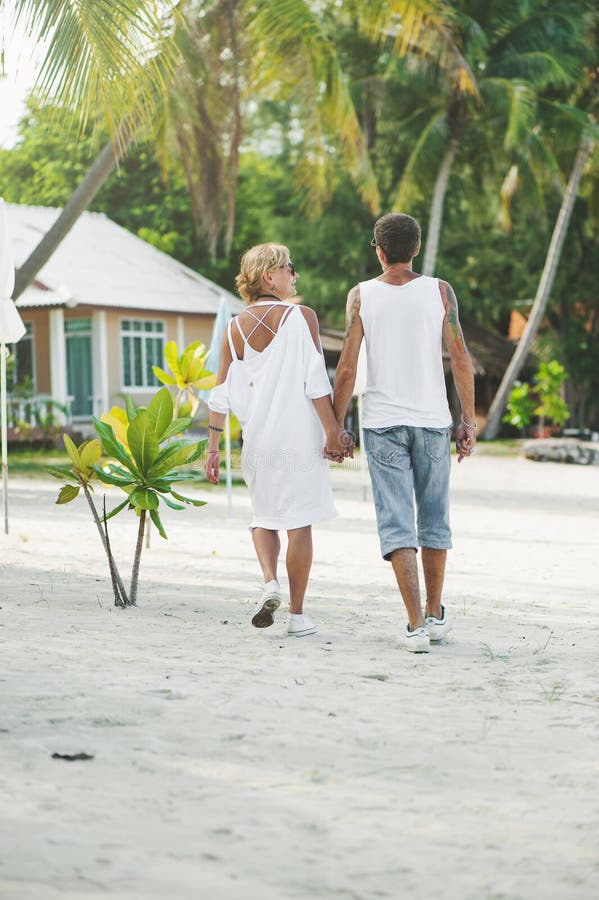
(78, 336)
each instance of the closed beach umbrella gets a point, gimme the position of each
(11, 331)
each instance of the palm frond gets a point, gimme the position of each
(521, 105)
(425, 157)
(296, 59)
(423, 27)
(108, 57)
(539, 67)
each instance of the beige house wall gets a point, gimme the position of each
(194, 328)
(187, 327)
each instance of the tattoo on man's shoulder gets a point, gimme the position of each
(354, 307)
(453, 318)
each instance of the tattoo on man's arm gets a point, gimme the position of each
(353, 310)
(453, 319)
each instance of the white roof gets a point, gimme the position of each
(101, 264)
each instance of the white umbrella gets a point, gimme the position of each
(11, 331)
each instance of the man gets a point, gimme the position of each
(403, 318)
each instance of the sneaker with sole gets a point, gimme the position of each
(299, 625)
(438, 628)
(271, 600)
(417, 641)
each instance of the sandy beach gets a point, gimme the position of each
(232, 763)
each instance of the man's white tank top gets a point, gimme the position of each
(405, 384)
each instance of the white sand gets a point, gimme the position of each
(232, 763)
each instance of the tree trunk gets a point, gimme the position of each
(137, 558)
(543, 291)
(236, 132)
(118, 588)
(78, 203)
(434, 227)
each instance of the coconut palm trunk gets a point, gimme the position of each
(434, 228)
(543, 291)
(105, 162)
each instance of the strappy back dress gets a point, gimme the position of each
(271, 393)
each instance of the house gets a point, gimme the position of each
(100, 312)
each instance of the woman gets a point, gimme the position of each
(272, 376)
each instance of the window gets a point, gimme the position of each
(20, 369)
(143, 344)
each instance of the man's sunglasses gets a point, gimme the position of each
(373, 242)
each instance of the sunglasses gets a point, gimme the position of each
(290, 267)
(373, 242)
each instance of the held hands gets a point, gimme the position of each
(212, 466)
(465, 439)
(339, 445)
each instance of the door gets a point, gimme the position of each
(78, 336)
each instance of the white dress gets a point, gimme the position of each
(271, 394)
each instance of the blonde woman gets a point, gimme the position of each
(272, 376)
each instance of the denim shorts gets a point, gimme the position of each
(406, 464)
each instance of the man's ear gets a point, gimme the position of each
(381, 255)
(417, 250)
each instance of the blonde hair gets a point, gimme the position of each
(255, 263)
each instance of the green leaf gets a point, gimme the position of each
(143, 442)
(144, 498)
(131, 408)
(163, 376)
(68, 493)
(113, 447)
(71, 449)
(176, 427)
(172, 456)
(61, 472)
(198, 451)
(116, 510)
(188, 499)
(156, 520)
(109, 478)
(160, 412)
(189, 359)
(171, 504)
(171, 355)
(90, 454)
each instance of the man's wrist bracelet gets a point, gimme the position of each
(214, 428)
(471, 425)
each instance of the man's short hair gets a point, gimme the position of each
(398, 236)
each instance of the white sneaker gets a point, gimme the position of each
(438, 628)
(417, 641)
(299, 625)
(269, 604)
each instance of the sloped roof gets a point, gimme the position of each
(101, 264)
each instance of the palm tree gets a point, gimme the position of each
(239, 53)
(121, 43)
(108, 63)
(516, 52)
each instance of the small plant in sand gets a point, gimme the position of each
(144, 458)
(543, 398)
(188, 374)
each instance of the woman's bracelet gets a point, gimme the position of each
(208, 452)
(214, 428)
(472, 425)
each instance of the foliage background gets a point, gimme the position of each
(495, 232)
